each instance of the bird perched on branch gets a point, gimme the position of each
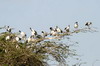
(22, 35)
(67, 28)
(53, 32)
(33, 32)
(8, 37)
(44, 34)
(88, 24)
(18, 38)
(30, 39)
(58, 29)
(76, 25)
(8, 29)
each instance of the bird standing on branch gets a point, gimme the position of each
(18, 38)
(44, 34)
(33, 32)
(30, 39)
(76, 25)
(67, 28)
(8, 37)
(8, 29)
(58, 29)
(22, 35)
(53, 32)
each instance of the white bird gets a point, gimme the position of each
(53, 32)
(88, 24)
(67, 28)
(7, 37)
(58, 29)
(18, 38)
(44, 34)
(22, 35)
(76, 25)
(30, 39)
(33, 32)
(8, 29)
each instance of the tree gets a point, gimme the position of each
(38, 51)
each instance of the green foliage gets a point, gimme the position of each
(14, 53)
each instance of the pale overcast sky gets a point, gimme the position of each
(41, 14)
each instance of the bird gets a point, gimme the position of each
(58, 29)
(88, 24)
(53, 32)
(76, 25)
(22, 35)
(67, 28)
(44, 34)
(8, 29)
(8, 37)
(30, 39)
(18, 38)
(33, 32)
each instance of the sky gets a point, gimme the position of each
(42, 14)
